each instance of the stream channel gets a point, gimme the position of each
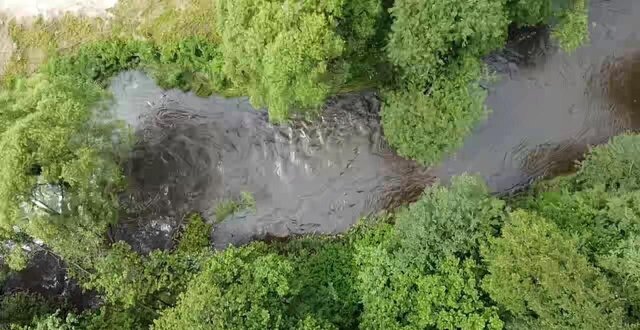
(547, 107)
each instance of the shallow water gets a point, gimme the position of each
(548, 106)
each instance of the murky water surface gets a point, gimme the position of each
(321, 176)
(307, 177)
(548, 105)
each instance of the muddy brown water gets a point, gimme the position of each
(547, 108)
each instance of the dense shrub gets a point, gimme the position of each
(287, 54)
(323, 278)
(238, 289)
(425, 125)
(537, 274)
(451, 221)
(615, 165)
(622, 264)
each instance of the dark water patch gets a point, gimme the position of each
(47, 276)
(621, 85)
(320, 176)
(526, 47)
(310, 176)
(547, 161)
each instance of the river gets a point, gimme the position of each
(547, 108)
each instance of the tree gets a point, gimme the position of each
(538, 276)
(288, 54)
(51, 147)
(426, 125)
(427, 35)
(449, 221)
(399, 294)
(240, 288)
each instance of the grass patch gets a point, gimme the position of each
(225, 208)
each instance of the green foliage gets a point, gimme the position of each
(399, 294)
(623, 266)
(120, 276)
(573, 29)
(55, 322)
(614, 165)
(426, 125)
(190, 64)
(427, 36)
(530, 12)
(324, 279)
(569, 16)
(195, 237)
(280, 52)
(452, 221)
(290, 54)
(238, 289)
(537, 274)
(129, 280)
(21, 308)
(17, 259)
(48, 139)
(99, 61)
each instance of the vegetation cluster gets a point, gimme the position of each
(564, 255)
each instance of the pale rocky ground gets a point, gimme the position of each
(26, 9)
(52, 8)
(6, 45)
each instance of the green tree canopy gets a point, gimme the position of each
(238, 289)
(426, 125)
(449, 221)
(428, 35)
(289, 54)
(537, 274)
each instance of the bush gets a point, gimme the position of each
(426, 125)
(131, 281)
(614, 165)
(397, 293)
(196, 235)
(451, 221)
(323, 278)
(537, 274)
